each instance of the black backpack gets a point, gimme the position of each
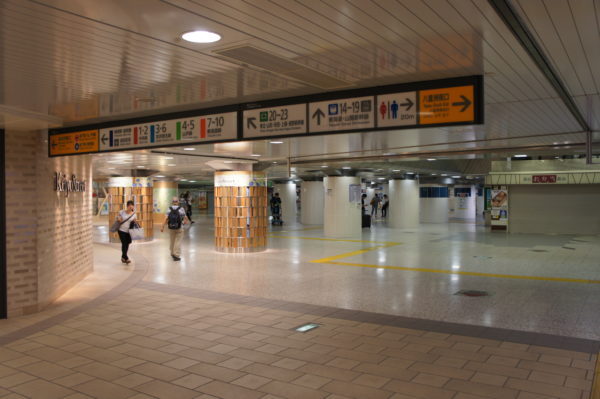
(175, 218)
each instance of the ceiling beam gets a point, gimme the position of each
(518, 27)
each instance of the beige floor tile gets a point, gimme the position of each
(251, 381)
(579, 383)
(104, 390)
(544, 389)
(552, 369)
(343, 363)
(272, 372)
(430, 379)
(356, 391)
(127, 362)
(330, 372)
(547, 378)
(229, 391)
(498, 370)
(389, 371)
(15, 379)
(73, 379)
(235, 363)
(489, 379)
(418, 390)
(21, 361)
(180, 363)
(291, 391)
(132, 380)
(222, 348)
(164, 390)
(371, 380)
(503, 361)
(191, 381)
(311, 381)
(203, 356)
(101, 355)
(476, 388)
(529, 395)
(77, 396)
(158, 371)
(46, 370)
(444, 371)
(103, 371)
(6, 371)
(215, 372)
(40, 389)
(287, 363)
(271, 349)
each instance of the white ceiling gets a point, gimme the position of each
(72, 62)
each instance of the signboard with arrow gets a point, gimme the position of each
(398, 109)
(275, 121)
(447, 105)
(73, 143)
(345, 114)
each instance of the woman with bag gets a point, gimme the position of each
(125, 219)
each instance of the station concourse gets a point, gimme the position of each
(390, 199)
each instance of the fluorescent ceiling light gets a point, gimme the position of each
(183, 179)
(141, 166)
(169, 158)
(192, 181)
(396, 170)
(159, 176)
(410, 173)
(201, 36)
(434, 174)
(276, 142)
(171, 164)
(381, 178)
(274, 161)
(520, 156)
(346, 167)
(431, 159)
(456, 177)
(189, 149)
(324, 166)
(255, 155)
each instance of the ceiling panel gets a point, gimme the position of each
(84, 61)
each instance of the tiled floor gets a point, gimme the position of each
(455, 252)
(163, 341)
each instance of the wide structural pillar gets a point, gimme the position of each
(289, 208)
(240, 212)
(312, 196)
(434, 203)
(404, 204)
(136, 189)
(342, 216)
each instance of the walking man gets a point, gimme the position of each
(175, 219)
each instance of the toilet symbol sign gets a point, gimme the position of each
(397, 109)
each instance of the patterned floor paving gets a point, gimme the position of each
(146, 340)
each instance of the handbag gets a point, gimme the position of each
(117, 225)
(136, 231)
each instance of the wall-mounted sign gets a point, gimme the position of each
(275, 121)
(345, 114)
(68, 184)
(543, 179)
(239, 179)
(455, 101)
(73, 143)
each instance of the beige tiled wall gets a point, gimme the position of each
(49, 237)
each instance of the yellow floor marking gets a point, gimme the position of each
(596, 384)
(333, 260)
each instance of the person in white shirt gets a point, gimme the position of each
(125, 217)
(175, 219)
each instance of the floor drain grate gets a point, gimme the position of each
(472, 293)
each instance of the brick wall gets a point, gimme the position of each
(49, 237)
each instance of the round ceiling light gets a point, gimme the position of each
(201, 36)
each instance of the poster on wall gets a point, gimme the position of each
(499, 202)
(202, 200)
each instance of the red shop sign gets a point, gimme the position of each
(543, 179)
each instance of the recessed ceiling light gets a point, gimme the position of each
(192, 181)
(189, 149)
(324, 166)
(201, 36)
(410, 173)
(396, 170)
(434, 174)
(255, 155)
(520, 156)
(456, 177)
(346, 167)
(431, 159)
(381, 178)
(274, 161)
(159, 176)
(276, 142)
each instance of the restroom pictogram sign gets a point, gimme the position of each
(447, 105)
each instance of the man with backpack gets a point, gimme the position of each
(175, 220)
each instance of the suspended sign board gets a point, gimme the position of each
(447, 102)
(275, 121)
(217, 127)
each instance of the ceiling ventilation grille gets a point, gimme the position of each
(254, 56)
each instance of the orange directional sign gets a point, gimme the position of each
(448, 105)
(74, 143)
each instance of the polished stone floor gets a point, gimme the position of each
(223, 325)
(538, 283)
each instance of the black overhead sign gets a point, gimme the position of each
(447, 102)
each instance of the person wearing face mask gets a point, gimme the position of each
(125, 218)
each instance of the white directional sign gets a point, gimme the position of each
(175, 131)
(276, 121)
(398, 109)
(344, 114)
